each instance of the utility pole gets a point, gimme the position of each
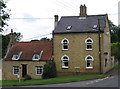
(99, 35)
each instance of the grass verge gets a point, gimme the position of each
(117, 66)
(50, 81)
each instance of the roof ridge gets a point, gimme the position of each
(87, 15)
(32, 41)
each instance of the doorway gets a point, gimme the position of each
(24, 70)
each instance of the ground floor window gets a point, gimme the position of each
(65, 60)
(106, 62)
(39, 70)
(89, 62)
(15, 70)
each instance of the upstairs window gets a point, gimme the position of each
(16, 57)
(89, 43)
(36, 57)
(15, 70)
(65, 60)
(89, 62)
(65, 43)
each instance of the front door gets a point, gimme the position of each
(24, 70)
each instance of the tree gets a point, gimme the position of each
(5, 14)
(115, 50)
(49, 70)
(17, 36)
(6, 40)
(45, 39)
(115, 31)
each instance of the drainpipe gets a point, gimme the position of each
(52, 45)
(99, 35)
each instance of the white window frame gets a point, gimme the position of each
(14, 57)
(64, 44)
(91, 63)
(69, 27)
(16, 69)
(18, 56)
(37, 58)
(89, 43)
(63, 60)
(40, 68)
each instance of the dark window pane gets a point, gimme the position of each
(65, 47)
(88, 63)
(89, 46)
(39, 70)
(66, 63)
(89, 40)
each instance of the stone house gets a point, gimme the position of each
(26, 58)
(82, 44)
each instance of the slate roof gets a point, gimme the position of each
(29, 49)
(80, 25)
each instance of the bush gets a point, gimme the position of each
(49, 70)
(27, 77)
(115, 50)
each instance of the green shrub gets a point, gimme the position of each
(49, 70)
(27, 77)
(115, 50)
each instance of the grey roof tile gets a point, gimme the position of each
(80, 25)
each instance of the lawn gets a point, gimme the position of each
(117, 66)
(52, 80)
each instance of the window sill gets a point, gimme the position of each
(64, 67)
(89, 49)
(89, 67)
(38, 74)
(15, 74)
(15, 59)
(35, 59)
(64, 49)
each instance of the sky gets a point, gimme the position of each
(34, 19)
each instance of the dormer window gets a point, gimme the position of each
(36, 57)
(69, 27)
(95, 27)
(16, 57)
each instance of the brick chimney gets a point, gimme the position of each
(11, 36)
(83, 11)
(56, 20)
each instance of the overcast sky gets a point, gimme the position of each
(35, 18)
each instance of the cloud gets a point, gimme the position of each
(28, 18)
